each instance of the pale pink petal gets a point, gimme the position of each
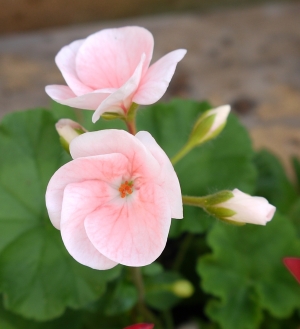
(249, 209)
(108, 168)
(120, 100)
(156, 80)
(141, 161)
(168, 179)
(59, 92)
(109, 57)
(65, 96)
(132, 231)
(65, 60)
(79, 200)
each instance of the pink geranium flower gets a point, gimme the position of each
(114, 202)
(141, 326)
(110, 69)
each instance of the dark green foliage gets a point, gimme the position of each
(38, 277)
(243, 282)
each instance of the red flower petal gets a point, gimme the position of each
(293, 265)
(141, 326)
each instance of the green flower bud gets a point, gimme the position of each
(182, 288)
(68, 130)
(209, 125)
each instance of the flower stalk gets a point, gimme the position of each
(143, 310)
(182, 153)
(130, 118)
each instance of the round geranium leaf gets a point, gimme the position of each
(37, 276)
(246, 274)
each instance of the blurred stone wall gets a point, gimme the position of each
(21, 15)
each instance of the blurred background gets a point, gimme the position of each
(242, 52)
(21, 15)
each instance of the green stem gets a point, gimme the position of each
(196, 201)
(138, 281)
(184, 151)
(130, 118)
(168, 320)
(142, 308)
(184, 246)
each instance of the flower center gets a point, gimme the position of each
(125, 189)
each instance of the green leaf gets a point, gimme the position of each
(8, 320)
(39, 278)
(98, 320)
(158, 289)
(121, 299)
(223, 163)
(272, 182)
(246, 275)
(275, 323)
(152, 269)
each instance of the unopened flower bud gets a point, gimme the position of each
(243, 208)
(68, 130)
(183, 288)
(209, 125)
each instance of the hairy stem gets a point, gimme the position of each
(184, 151)
(196, 201)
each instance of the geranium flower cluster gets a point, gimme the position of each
(114, 201)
